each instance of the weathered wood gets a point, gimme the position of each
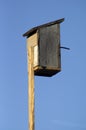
(48, 72)
(45, 40)
(31, 90)
(49, 46)
(28, 33)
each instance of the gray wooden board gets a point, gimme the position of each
(49, 46)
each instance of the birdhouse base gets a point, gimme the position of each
(44, 71)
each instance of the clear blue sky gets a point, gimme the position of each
(60, 101)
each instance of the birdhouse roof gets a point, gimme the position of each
(28, 33)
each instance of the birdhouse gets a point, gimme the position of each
(45, 40)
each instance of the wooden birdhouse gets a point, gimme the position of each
(45, 40)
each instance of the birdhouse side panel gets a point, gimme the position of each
(32, 41)
(49, 46)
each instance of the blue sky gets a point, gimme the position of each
(60, 101)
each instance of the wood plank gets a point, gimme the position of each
(32, 40)
(31, 90)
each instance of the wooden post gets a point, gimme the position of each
(31, 90)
